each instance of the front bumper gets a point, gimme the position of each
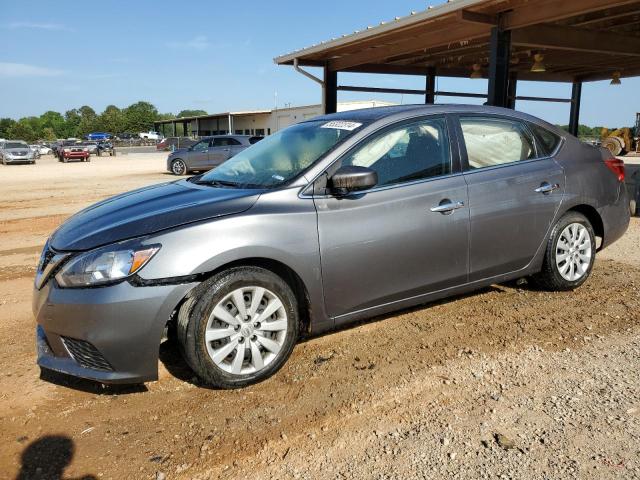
(108, 334)
(76, 155)
(20, 159)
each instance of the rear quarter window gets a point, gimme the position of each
(547, 140)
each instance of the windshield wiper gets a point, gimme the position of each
(218, 183)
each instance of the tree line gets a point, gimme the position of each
(138, 117)
(78, 122)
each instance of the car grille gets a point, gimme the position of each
(86, 354)
(20, 154)
(76, 150)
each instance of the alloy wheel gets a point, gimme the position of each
(573, 252)
(246, 330)
(178, 167)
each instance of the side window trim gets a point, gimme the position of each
(464, 157)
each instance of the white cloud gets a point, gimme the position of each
(37, 26)
(197, 43)
(24, 70)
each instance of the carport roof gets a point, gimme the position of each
(583, 40)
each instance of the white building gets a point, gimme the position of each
(256, 122)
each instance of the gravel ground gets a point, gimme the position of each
(508, 382)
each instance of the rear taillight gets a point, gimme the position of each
(616, 166)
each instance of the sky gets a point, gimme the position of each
(214, 56)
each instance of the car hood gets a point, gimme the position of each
(179, 151)
(146, 211)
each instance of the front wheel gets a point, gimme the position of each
(570, 254)
(178, 167)
(239, 328)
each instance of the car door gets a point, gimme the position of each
(405, 237)
(198, 156)
(515, 190)
(219, 151)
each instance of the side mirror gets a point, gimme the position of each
(350, 178)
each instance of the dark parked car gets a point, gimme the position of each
(106, 148)
(332, 220)
(207, 153)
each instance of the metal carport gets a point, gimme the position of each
(504, 41)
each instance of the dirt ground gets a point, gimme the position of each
(508, 382)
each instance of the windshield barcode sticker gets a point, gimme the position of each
(342, 125)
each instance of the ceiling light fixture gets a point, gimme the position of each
(615, 79)
(538, 63)
(477, 71)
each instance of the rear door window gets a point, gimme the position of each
(492, 141)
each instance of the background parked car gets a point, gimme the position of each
(43, 149)
(206, 154)
(92, 146)
(150, 135)
(98, 136)
(74, 152)
(16, 151)
(173, 143)
(106, 148)
(35, 149)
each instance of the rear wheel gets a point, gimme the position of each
(239, 328)
(178, 167)
(570, 254)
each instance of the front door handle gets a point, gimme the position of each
(447, 207)
(546, 187)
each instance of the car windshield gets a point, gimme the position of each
(15, 145)
(282, 156)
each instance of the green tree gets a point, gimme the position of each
(55, 122)
(140, 116)
(88, 120)
(112, 120)
(23, 130)
(6, 124)
(48, 134)
(72, 121)
(191, 113)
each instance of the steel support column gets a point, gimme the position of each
(430, 86)
(330, 91)
(499, 57)
(574, 115)
(512, 90)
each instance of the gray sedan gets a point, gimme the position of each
(207, 153)
(16, 151)
(330, 221)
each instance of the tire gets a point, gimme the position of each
(178, 167)
(556, 274)
(235, 368)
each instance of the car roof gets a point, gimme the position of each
(397, 112)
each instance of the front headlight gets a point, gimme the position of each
(105, 265)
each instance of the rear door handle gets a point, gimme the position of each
(546, 187)
(447, 206)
